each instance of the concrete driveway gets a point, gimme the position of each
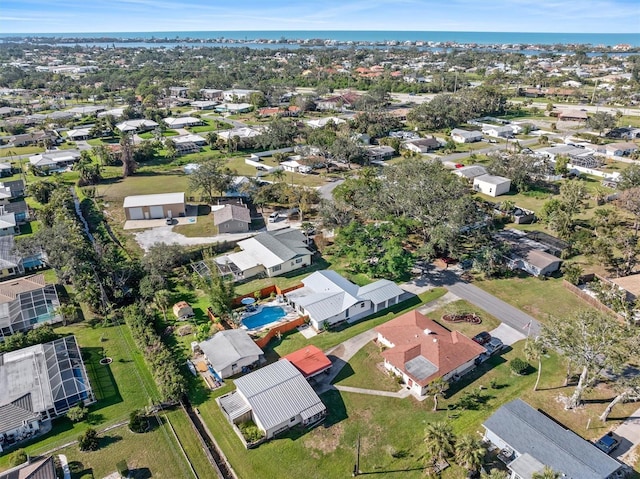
(326, 191)
(507, 334)
(164, 234)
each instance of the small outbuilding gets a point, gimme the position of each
(492, 185)
(145, 207)
(182, 310)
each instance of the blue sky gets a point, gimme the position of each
(586, 16)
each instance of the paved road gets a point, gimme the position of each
(629, 435)
(326, 191)
(506, 313)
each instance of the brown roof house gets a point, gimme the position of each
(232, 219)
(420, 350)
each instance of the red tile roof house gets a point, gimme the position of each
(310, 361)
(420, 350)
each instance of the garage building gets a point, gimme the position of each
(145, 207)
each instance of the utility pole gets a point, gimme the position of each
(356, 466)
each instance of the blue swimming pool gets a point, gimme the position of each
(267, 315)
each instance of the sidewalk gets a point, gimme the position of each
(403, 393)
(629, 433)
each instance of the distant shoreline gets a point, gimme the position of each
(593, 41)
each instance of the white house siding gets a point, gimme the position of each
(289, 265)
(384, 341)
(465, 368)
(281, 427)
(231, 371)
(355, 312)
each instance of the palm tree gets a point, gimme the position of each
(546, 473)
(440, 441)
(437, 387)
(495, 474)
(278, 175)
(470, 452)
(533, 351)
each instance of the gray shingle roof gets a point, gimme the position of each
(286, 244)
(14, 414)
(227, 347)
(278, 392)
(528, 431)
(232, 212)
(8, 257)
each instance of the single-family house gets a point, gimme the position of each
(498, 131)
(163, 205)
(237, 95)
(271, 253)
(379, 152)
(114, 112)
(7, 111)
(232, 219)
(37, 384)
(79, 134)
(26, 303)
(87, 110)
(470, 172)
(19, 210)
(492, 185)
(204, 104)
(54, 160)
(529, 440)
(465, 136)
(33, 138)
(345, 101)
(322, 122)
(177, 91)
(34, 468)
(528, 255)
(630, 284)
(421, 350)
(211, 94)
(572, 115)
(182, 122)
(191, 138)
(243, 133)
(8, 223)
(328, 298)
(276, 398)
(310, 361)
(296, 166)
(10, 262)
(620, 149)
(422, 145)
(234, 108)
(231, 352)
(6, 169)
(182, 310)
(16, 187)
(136, 126)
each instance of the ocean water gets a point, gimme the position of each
(481, 38)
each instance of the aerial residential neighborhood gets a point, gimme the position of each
(274, 254)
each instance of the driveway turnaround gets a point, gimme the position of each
(507, 334)
(163, 234)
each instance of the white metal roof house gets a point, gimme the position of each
(272, 253)
(136, 125)
(39, 383)
(328, 298)
(465, 136)
(230, 352)
(529, 440)
(470, 172)
(182, 121)
(54, 159)
(492, 185)
(276, 398)
(164, 205)
(498, 131)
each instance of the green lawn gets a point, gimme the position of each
(202, 227)
(391, 430)
(365, 370)
(541, 299)
(143, 185)
(489, 322)
(20, 150)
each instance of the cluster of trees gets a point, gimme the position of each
(419, 208)
(442, 444)
(448, 110)
(525, 170)
(163, 363)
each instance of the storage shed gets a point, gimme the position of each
(492, 185)
(145, 207)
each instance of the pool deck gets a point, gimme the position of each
(290, 315)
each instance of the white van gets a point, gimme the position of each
(273, 217)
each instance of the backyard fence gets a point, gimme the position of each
(283, 328)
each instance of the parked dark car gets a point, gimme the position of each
(494, 346)
(607, 443)
(482, 338)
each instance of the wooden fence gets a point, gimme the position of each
(281, 329)
(591, 300)
(265, 292)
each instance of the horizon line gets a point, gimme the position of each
(325, 30)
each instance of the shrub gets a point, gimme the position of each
(88, 441)
(518, 366)
(138, 422)
(123, 468)
(78, 413)
(17, 457)
(250, 431)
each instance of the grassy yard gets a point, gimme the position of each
(202, 227)
(139, 184)
(20, 150)
(541, 299)
(391, 430)
(470, 330)
(365, 370)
